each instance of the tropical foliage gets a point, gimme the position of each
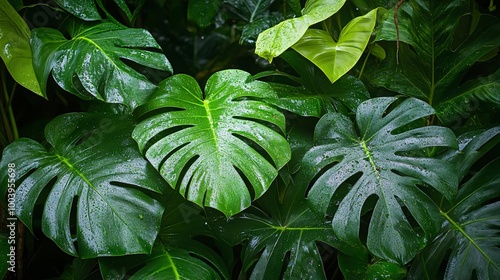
(250, 139)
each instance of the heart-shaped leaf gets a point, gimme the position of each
(95, 177)
(383, 160)
(15, 48)
(90, 64)
(209, 146)
(277, 39)
(336, 58)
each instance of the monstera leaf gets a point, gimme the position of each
(383, 159)
(218, 149)
(15, 48)
(90, 64)
(277, 39)
(163, 263)
(337, 58)
(93, 176)
(280, 237)
(470, 233)
(441, 53)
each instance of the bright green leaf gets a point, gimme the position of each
(336, 58)
(277, 39)
(385, 159)
(15, 49)
(207, 146)
(90, 64)
(92, 164)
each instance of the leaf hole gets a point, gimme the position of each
(321, 172)
(169, 154)
(163, 134)
(262, 122)
(73, 221)
(152, 74)
(158, 111)
(284, 265)
(263, 153)
(408, 216)
(366, 216)
(251, 191)
(182, 178)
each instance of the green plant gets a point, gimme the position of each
(322, 160)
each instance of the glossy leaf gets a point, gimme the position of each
(208, 145)
(381, 154)
(337, 58)
(277, 39)
(434, 68)
(249, 10)
(280, 239)
(163, 263)
(359, 267)
(93, 167)
(90, 64)
(470, 234)
(202, 12)
(87, 9)
(15, 48)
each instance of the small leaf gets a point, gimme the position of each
(90, 64)
(336, 58)
(277, 39)
(379, 158)
(92, 165)
(15, 49)
(208, 145)
(202, 12)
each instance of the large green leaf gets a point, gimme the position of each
(91, 64)
(202, 12)
(164, 263)
(434, 67)
(384, 160)
(469, 240)
(15, 48)
(280, 237)
(95, 165)
(216, 148)
(337, 58)
(277, 39)
(249, 10)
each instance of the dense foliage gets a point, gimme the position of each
(250, 139)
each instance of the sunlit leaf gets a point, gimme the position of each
(277, 39)
(337, 58)
(15, 48)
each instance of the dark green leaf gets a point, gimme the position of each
(15, 49)
(378, 153)
(90, 64)
(249, 10)
(358, 267)
(202, 12)
(164, 263)
(280, 240)
(84, 9)
(5, 255)
(95, 165)
(470, 234)
(79, 269)
(433, 69)
(207, 146)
